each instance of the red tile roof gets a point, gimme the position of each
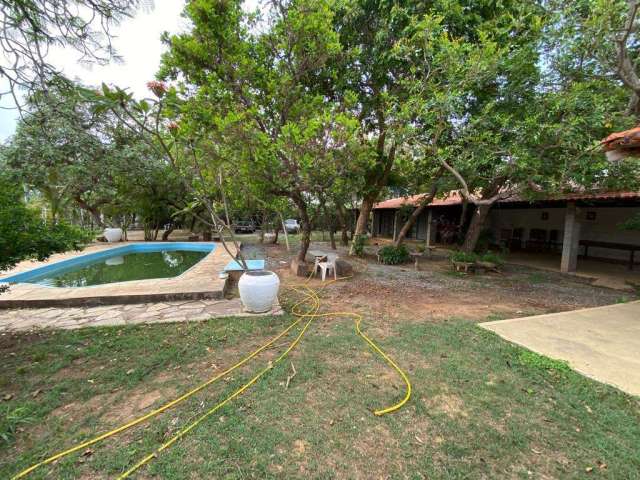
(454, 198)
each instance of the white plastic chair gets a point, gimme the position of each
(317, 263)
(328, 266)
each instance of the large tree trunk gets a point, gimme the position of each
(263, 227)
(305, 224)
(344, 227)
(167, 232)
(413, 218)
(95, 213)
(475, 227)
(332, 232)
(363, 220)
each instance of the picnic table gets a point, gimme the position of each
(612, 245)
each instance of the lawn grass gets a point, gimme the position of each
(481, 407)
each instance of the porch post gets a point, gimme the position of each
(571, 240)
(429, 219)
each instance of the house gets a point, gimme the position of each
(589, 224)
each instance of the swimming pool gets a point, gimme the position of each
(138, 261)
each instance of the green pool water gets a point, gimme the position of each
(130, 266)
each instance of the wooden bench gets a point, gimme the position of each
(463, 266)
(613, 246)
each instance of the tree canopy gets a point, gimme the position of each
(324, 105)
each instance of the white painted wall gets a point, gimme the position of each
(603, 228)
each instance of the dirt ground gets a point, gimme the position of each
(477, 410)
(435, 292)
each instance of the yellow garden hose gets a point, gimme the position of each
(235, 394)
(157, 411)
(310, 295)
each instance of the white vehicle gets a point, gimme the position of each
(292, 225)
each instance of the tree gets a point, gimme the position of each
(76, 156)
(24, 235)
(253, 104)
(533, 126)
(63, 155)
(30, 28)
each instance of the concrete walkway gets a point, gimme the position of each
(602, 343)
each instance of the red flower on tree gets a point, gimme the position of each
(158, 88)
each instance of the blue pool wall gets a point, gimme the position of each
(108, 253)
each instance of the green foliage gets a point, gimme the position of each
(32, 27)
(391, 255)
(11, 419)
(24, 235)
(465, 257)
(491, 257)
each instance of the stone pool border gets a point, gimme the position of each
(200, 282)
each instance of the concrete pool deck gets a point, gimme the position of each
(30, 319)
(199, 282)
(602, 343)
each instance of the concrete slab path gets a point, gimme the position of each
(602, 343)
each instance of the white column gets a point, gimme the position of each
(429, 220)
(571, 240)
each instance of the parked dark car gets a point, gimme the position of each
(244, 227)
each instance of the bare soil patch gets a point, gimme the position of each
(436, 293)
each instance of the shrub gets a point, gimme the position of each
(24, 235)
(492, 257)
(11, 419)
(465, 257)
(391, 255)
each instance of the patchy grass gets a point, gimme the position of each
(537, 278)
(481, 407)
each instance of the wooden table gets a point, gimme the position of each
(614, 246)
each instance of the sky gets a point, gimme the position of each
(137, 42)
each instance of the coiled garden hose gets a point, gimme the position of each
(309, 296)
